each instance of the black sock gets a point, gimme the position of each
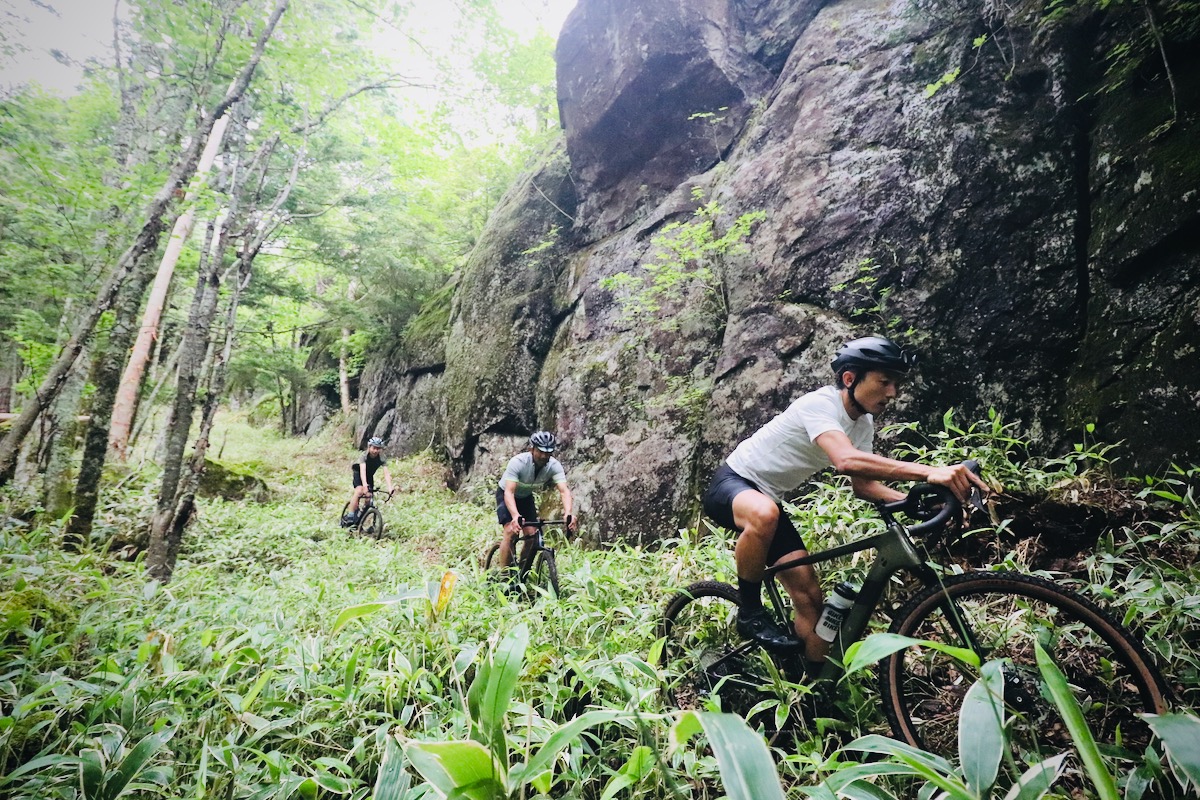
(751, 596)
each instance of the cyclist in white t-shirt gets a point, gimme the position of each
(526, 473)
(831, 426)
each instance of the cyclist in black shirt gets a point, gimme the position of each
(363, 475)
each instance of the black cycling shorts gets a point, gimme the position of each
(358, 481)
(718, 506)
(526, 507)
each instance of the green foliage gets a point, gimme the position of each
(870, 302)
(684, 277)
(289, 658)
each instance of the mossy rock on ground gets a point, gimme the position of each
(232, 482)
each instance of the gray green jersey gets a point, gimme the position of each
(529, 478)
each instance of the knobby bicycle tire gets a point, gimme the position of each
(371, 523)
(543, 572)
(703, 655)
(490, 556)
(1107, 669)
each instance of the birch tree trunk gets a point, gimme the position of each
(343, 356)
(125, 403)
(145, 242)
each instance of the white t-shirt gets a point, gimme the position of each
(783, 454)
(529, 478)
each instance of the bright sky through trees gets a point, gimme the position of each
(48, 41)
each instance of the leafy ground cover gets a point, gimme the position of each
(289, 658)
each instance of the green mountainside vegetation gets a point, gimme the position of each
(290, 658)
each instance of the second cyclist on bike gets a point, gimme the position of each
(363, 477)
(529, 472)
(831, 426)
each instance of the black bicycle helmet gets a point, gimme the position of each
(872, 352)
(544, 441)
(374, 441)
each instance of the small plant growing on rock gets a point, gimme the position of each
(687, 261)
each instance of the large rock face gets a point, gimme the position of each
(1040, 252)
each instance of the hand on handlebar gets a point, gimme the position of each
(968, 487)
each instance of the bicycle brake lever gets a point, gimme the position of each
(976, 499)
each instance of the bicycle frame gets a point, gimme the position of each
(536, 539)
(895, 552)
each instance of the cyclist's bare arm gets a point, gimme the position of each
(387, 476)
(510, 502)
(568, 503)
(849, 460)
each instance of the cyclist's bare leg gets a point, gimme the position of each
(757, 515)
(804, 589)
(504, 555)
(357, 495)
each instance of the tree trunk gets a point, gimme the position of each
(57, 485)
(160, 557)
(185, 504)
(343, 356)
(8, 370)
(105, 376)
(146, 241)
(125, 404)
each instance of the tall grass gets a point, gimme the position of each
(236, 680)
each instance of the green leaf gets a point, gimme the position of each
(1180, 735)
(56, 760)
(491, 692)
(354, 612)
(563, 736)
(1068, 706)
(463, 767)
(135, 761)
(747, 769)
(932, 768)
(1037, 780)
(91, 772)
(637, 767)
(393, 782)
(981, 729)
(878, 646)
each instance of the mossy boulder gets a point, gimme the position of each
(232, 481)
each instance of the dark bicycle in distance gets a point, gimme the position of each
(536, 567)
(370, 519)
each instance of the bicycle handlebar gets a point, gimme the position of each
(542, 523)
(914, 504)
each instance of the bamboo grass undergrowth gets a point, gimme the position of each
(239, 683)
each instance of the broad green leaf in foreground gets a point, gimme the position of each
(1180, 735)
(1081, 735)
(747, 770)
(460, 769)
(877, 646)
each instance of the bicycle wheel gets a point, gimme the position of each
(490, 557)
(342, 518)
(543, 572)
(1109, 673)
(371, 523)
(704, 657)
